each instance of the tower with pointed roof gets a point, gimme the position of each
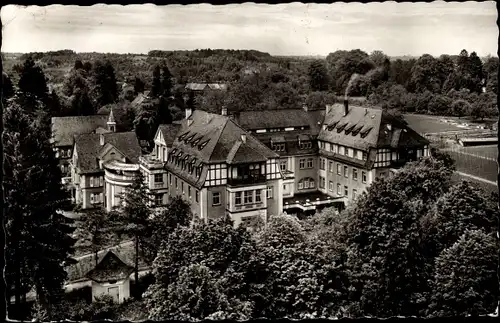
(111, 122)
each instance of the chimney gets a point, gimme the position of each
(328, 108)
(304, 106)
(101, 139)
(389, 126)
(224, 111)
(189, 111)
(346, 107)
(244, 138)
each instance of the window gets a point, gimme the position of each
(215, 198)
(309, 163)
(302, 163)
(365, 156)
(92, 182)
(189, 191)
(92, 198)
(159, 199)
(322, 163)
(278, 147)
(101, 181)
(306, 183)
(330, 186)
(182, 187)
(301, 185)
(257, 196)
(269, 192)
(341, 150)
(283, 165)
(355, 174)
(176, 183)
(197, 195)
(346, 151)
(158, 178)
(335, 148)
(322, 182)
(363, 177)
(237, 198)
(331, 147)
(346, 171)
(170, 178)
(354, 193)
(248, 197)
(101, 197)
(69, 153)
(330, 166)
(339, 169)
(339, 189)
(346, 191)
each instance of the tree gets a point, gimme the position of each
(105, 87)
(460, 108)
(32, 81)
(138, 86)
(463, 207)
(38, 236)
(465, 280)
(215, 250)
(132, 217)
(78, 65)
(166, 82)
(163, 111)
(386, 258)
(425, 75)
(156, 88)
(485, 106)
(378, 58)
(92, 231)
(490, 72)
(312, 285)
(81, 105)
(7, 87)
(318, 77)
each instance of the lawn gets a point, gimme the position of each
(429, 124)
(489, 188)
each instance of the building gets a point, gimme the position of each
(357, 145)
(111, 277)
(64, 130)
(104, 163)
(219, 168)
(292, 134)
(201, 87)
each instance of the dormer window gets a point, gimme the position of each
(181, 137)
(305, 145)
(203, 144)
(278, 147)
(194, 143)
(341, 127)
(355, 131)
(189, 138)
(349, 129)
(332, 125)
(365, 133)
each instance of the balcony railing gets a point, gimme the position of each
(249, 206)
(159, 185)
(151, 162)
(247, 180)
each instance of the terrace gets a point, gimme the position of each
(151, 162)
(310, 201)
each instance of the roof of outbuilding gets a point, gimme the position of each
(111, 267)
(64, 129)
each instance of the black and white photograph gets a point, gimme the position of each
(250, 161)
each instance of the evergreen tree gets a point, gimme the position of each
(81, 105)
(106, 89)
(138, 86)
(156, 88)
(163, 111)
(166, 82)
(38, 234)
(32, 81)
(318, 76)
(7, 87)
(132, 217)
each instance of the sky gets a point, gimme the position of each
(286, 29)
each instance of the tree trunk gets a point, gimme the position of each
(136, 265)
(17, 283)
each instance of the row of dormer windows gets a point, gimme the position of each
(281, 129)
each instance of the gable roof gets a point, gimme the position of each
(88, 147)
(64, 129)
(213, 138)
(169, 132)
(365, 128)
(111, 267)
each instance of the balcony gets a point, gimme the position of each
(247, 180)
(150, 162)
(157, 185)
(309, 201)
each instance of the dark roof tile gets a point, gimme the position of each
(64, 129)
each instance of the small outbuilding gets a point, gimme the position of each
(111, 277)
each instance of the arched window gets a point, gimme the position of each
(306, 183)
